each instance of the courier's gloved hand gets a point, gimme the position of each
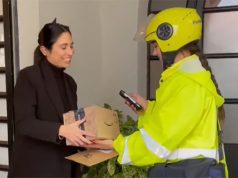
(74, 134)
(139, 99)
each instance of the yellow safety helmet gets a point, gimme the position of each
(174, 27)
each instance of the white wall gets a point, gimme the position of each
(106, 58)
(28, 24)
(142, 49)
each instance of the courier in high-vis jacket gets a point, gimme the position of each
(182, 122)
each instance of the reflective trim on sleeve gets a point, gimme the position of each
(154, 146)
(165, 154)
(192, 153)
(126, 158)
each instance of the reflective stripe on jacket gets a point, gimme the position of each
(181, 123)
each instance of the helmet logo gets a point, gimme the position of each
(164, 31)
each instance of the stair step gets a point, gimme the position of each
(3, 143)
(3, 119)
(3, 94)
(4, 167)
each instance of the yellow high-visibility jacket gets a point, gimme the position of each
(180, 124)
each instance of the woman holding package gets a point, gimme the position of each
(43, 92)
(179, 129)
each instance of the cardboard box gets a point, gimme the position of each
(92, 157)
(103, 123)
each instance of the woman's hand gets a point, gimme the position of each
(139, 99)
(74, 134)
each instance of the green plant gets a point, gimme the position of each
(111, 168)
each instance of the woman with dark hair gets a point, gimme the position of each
(43, 92)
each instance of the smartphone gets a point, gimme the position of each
(131, 100)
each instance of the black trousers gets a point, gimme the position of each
(190, 168)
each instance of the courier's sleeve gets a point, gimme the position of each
(121, 144)
(151, 105)
(162, 128)
(127, 146)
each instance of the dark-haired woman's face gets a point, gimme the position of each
(62, 51)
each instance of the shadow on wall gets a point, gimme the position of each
(232, 159)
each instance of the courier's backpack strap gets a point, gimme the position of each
(220, 141)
